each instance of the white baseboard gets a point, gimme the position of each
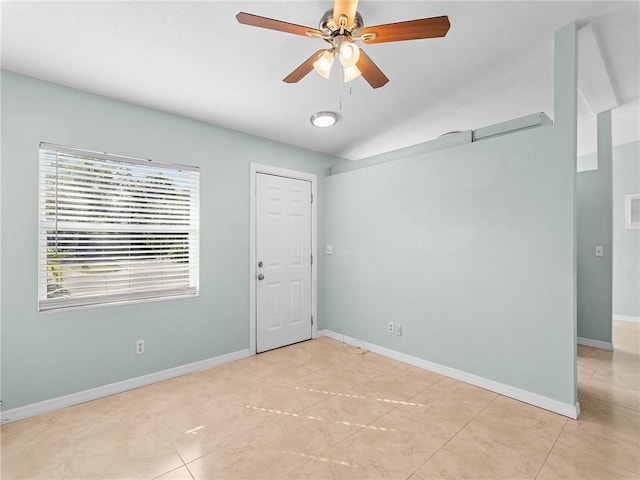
(626, 318)
(566, 409)
(52, 404)
(588, 342)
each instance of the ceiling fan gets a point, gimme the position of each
(341, 27)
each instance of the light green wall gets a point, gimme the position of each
(594, 216)
(588, 162)
(53, 354)
(471, 249)
(626, 243)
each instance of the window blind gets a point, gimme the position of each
(115, 229)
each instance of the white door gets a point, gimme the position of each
(283, 261)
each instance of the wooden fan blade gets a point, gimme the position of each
(279, 25)
(347, 8)
(304, 68)
(370, 71)
(409, 30)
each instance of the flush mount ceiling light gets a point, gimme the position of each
(324, 119)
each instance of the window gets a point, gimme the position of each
(632, 211)
(115, 229)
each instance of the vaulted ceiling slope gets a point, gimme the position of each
(194, 59)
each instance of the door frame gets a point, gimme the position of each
(256, 168)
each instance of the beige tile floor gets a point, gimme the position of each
(315, 410)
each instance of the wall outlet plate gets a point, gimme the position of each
(139, 347)
(390, 327)
(397, 329)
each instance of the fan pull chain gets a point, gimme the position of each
(341, 80)
(342, 88)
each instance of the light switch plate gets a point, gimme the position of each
(329, 250)
(599, 251)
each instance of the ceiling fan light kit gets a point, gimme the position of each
(324, 63)
(342, 26)
(349, 54)
(351, 73)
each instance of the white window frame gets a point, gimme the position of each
(126, 229)
(628, 200)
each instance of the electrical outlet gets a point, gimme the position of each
(390, 327)
(397, 329)
(139, 347)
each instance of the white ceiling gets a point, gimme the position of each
(194, 59)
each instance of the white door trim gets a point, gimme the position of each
(256, 168)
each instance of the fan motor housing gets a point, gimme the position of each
(330, 29)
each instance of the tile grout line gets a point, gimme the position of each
(190, 472)
(297, 468)
(328, 448)
(614, 384)
(332, 395)
(631, 410)
(337, 393)
(454, 435)
(584, 452)
(590, 377)
(606, 461)
(551, 449)
(184, 464)
(617, 405)
(585, 390)
(74, 435)
(361, 428)
(609, 383)
(588, 382)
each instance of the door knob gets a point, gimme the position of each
(260, 277)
